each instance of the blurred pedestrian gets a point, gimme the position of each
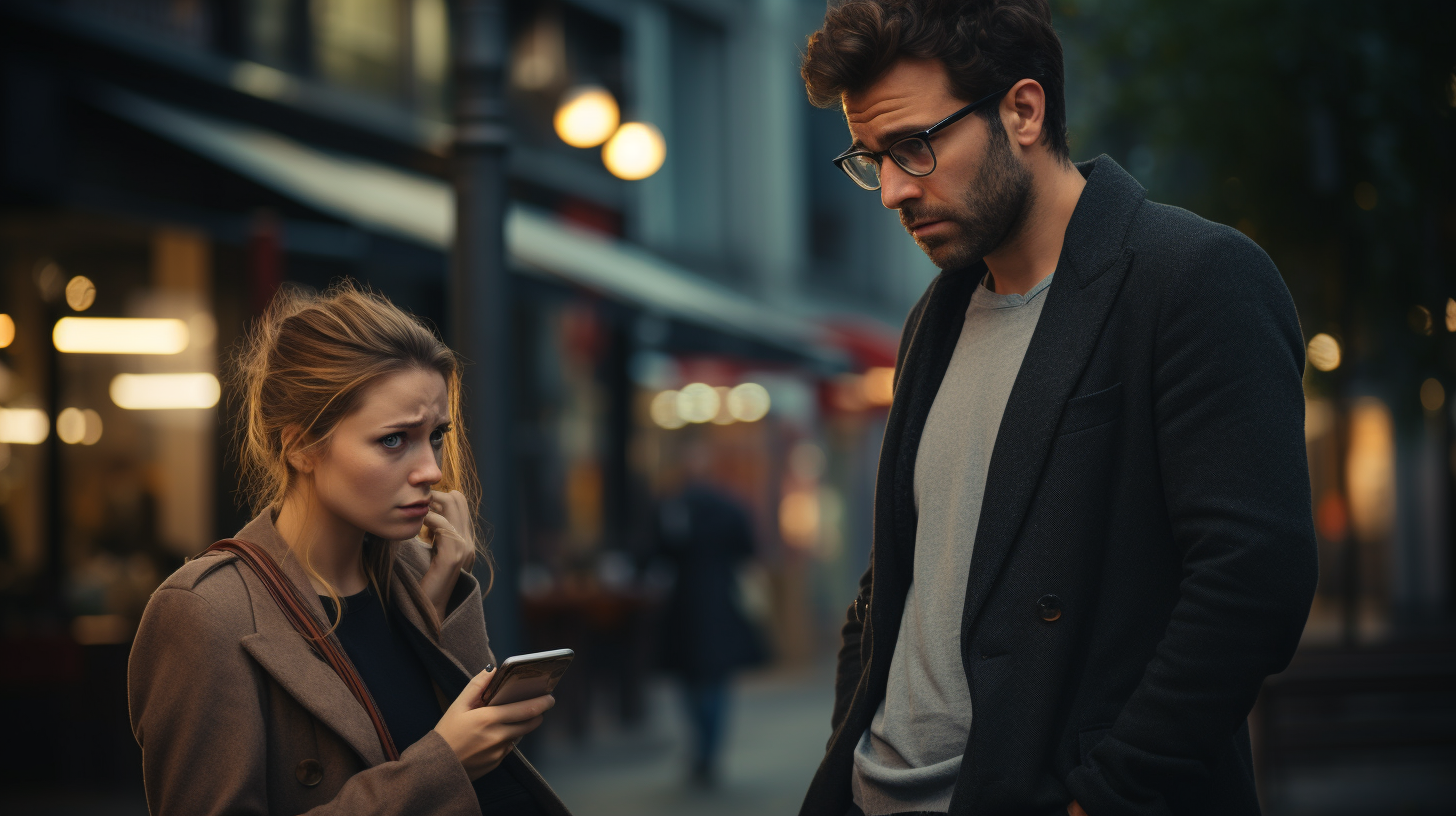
(706, 536)
(310, 663)
(1092, 533)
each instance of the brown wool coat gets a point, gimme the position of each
(236, 714)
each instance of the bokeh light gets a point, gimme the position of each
(879, 386)
(635, 152)
(24, 426)
(697, 402)
(664, 410)
(7, 330)
(748, 402)
(587, 116)
(150, 392)
(1433, 395)
(80, 293)
(1324, 352)
(120, 335)
(77, 426)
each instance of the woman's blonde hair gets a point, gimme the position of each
(305, 365)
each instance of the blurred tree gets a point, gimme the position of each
(1325, 130)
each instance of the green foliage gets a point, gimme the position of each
(1325, 130)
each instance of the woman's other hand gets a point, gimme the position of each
(480, 735)
(447, 529)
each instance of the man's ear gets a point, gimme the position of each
(1023, 111)
(301, 460)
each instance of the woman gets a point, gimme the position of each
(351, 416)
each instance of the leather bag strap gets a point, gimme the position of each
(295, 608)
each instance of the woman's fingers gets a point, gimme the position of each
(470, 697)
(523, 710)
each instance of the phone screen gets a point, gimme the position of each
(526, 676)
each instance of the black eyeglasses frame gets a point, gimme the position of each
(924, 136)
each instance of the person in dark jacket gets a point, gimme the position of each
(1092, 528)
(705, 535)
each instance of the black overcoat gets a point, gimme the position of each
(1145, 554)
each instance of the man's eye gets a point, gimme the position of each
(394, 440)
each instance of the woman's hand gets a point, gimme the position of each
(481, 736)
(447, 529)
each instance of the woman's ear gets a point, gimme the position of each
(301, 461)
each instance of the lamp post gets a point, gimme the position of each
(480, 288)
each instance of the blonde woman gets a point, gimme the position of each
(352, 445)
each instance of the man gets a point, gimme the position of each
(1092, 534)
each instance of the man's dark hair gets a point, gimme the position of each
(983, 44)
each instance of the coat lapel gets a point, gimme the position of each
(1089, 275)
(287, 657)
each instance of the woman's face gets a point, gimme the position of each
(376, 471)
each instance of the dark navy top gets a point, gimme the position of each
(399, 679)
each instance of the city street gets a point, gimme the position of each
(779, 725)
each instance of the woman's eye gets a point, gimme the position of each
(437, 438)
(392, 441)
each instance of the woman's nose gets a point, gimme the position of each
(426, 471)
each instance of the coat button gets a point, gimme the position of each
(309, 772)
(1050, 607)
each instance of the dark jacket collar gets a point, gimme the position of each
(1100, 221)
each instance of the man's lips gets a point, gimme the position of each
(927, 224)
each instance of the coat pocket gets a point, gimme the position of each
(1091, 410)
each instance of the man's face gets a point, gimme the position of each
(977, 196)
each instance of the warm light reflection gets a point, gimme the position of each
(80, 293)
(664, 411)
(697, 402)
(635, 152)
(1324, 352)
(1370, 469)
(724, 416)
(76, 426)
(24, 426)
(7, 330)
(748, 402)
(587, 116)
(1451, 315)
(144, 392)
(120, 335)
(1433, 395)
(799, 519)
(879, 386)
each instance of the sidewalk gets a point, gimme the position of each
(779, 724)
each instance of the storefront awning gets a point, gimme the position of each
(420, 208)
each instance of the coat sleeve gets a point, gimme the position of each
(198, 712)
(1229, 412)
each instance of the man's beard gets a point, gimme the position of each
(993, 210)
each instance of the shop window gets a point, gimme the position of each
(121, 484)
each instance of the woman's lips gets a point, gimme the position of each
(415, 510)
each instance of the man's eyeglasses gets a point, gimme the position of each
(912, 153)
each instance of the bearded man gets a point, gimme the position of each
(1092, 528)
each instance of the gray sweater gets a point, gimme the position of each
(908, 758)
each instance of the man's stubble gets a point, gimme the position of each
(992, 211)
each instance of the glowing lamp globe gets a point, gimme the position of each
(635, 152)
(587, 116)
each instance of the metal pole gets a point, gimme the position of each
(480, 307)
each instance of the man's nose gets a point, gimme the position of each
(896, 185)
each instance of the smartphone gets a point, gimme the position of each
(526, 676)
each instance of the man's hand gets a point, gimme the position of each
(1075, 809)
